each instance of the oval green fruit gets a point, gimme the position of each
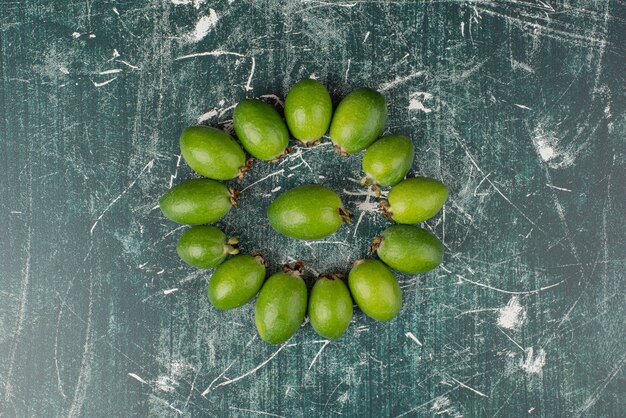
(236, 281)
(260, 129)
(409, 249)
(203, 246)
(358, 121)
(388, 160)
(196, 202)
(330, 307)
(308, 110)
(280, 307)
(375, 289)
(415, 200)
(212, 152)
(307, 212)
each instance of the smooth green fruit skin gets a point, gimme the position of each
(359, 119)
(410, 249)
(260, 129)
(375, 290)
(416, 200)
(211, 152)
(389, 159)
(308, 110)
(196, 202)
(330, 307)
(306, 212)
(280, 307)
(236, 281)
(203, 247)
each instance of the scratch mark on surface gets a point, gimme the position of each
(269, 414)
(215, 53)
(84, 374)
(203, 27)
(104, 83)
(510, 292)
(367, 35)
(347, 71)
(111, 71)
(400, 80)
(469, 388)
(173, 176)
(163, 401)
(137, 378)
(148, 167)
(248, 373)
(414, 338)
(557, 188)
(169, 291)
(281, 171)
(426, 403)
(521, 106)
(595, 396)
(325, 343)
(248, 88)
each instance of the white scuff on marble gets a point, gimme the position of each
(195, 3)
(512, 315)
(203, 26)
(533, 363)
(166, 384)
(550, 150)
(417, 99)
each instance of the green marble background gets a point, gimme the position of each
(517, 105)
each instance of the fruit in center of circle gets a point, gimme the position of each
(307, 212)
(260, 129)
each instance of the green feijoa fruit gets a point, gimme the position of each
(280, 307)
(260, 129)
(307, 212)
(212, 152)
(409, 249)
(197, 201)
(375, 289)
(358, 121)
(388, 160)
(415, 200)
(236, 281)
(308, 110)
(330, 307)
(204, 247)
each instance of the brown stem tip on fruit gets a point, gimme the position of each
(234, 195)
(243, 170)
(376, 189)
(376, 242)
(297, 269)
(366, 181)
(283, 154)
(346, 215)
(358, 262)
(384, 205)
(331, 276)
(340, 150)
(309, 144)
(259, 258)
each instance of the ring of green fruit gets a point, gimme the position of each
(283, 300)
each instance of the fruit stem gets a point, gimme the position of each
(234, 195)
(376, 189)
(283, 154)
(331, 276)
(384, 205)
(297, 270)
(259, 258)
(366, 181)
(376, 243)
(346, 215)
(340, 150)
(358, 262)
(232, 246)
(309, 144)
(244, 169)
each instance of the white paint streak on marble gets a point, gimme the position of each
(533, 363)
(512, 315)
